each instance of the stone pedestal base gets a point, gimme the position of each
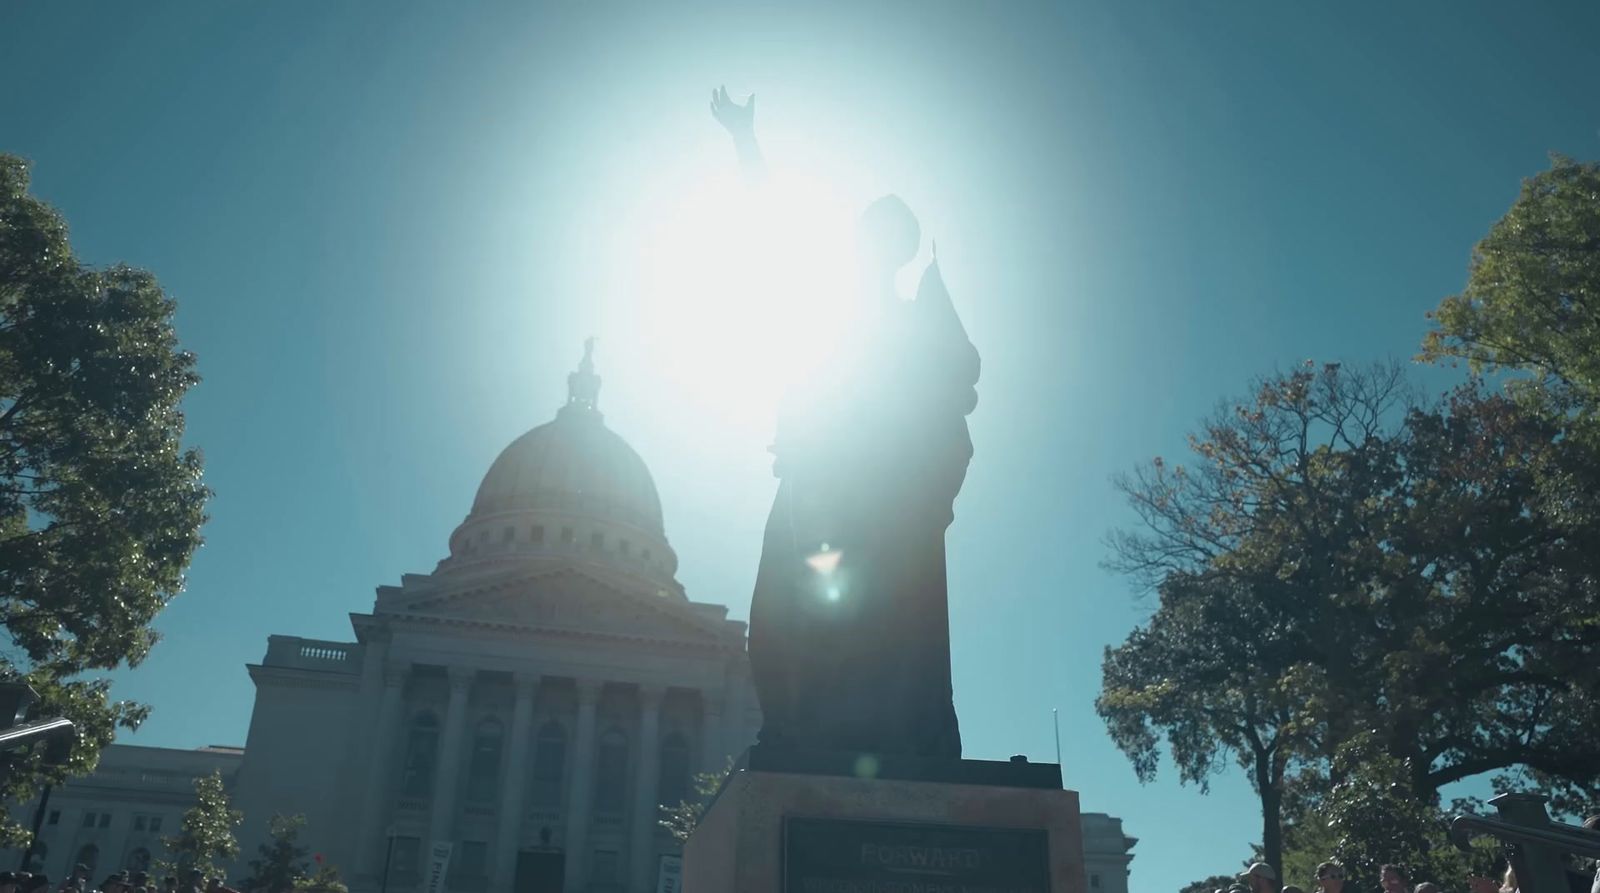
(777, 832)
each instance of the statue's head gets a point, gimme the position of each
(889, 234)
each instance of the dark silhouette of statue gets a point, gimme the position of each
(849, 625)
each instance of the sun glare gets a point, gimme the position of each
(745, 287)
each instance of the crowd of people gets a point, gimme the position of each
(1583, 877)
(119, 882)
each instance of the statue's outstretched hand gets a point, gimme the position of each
(740, 120)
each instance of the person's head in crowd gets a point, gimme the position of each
(1394, 879)
(37, 882)
(112, 884)
(1330, 877)
(1260, 878)
(140, 879)
(8, 881)
(169, 883)
(1427, 887)
(1293, 888)
(80, 872)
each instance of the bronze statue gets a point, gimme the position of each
(849, 624)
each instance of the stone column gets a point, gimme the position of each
(447, 772)
(713, 753)
(359, 745)
(647, 782)
(385, 741)
(516, 785)
(581, 796)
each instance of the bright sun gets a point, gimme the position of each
(744, 287)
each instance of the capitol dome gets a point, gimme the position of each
(570, 488)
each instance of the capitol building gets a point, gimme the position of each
(531, 702)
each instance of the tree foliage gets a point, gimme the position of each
(325, 879)
(100, 505)
(1210, 885)
(205, 837)
(282, 860)
(1343, 560)
(1209, 673)
(681, 819)
(1532, 300)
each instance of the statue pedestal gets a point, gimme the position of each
(981, 828)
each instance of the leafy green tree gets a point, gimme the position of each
(205, 837)
(1532, 300)
(100, 505)
(681, 819)
(1209, 674)
(324, 880)
(282, 861)
(1373, 817)
(1369, 564)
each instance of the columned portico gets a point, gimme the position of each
(441, 821)
(375, 803)
(581, 796)
(647, 782)
(516, 785)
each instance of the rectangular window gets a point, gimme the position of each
(537, 534)
(507, 535)
(403, 858)
(605, 867)
(597, 540)
(155, 824)
(138, 823)
(55, 816)
(1094, 881)
(105, 819)
(626, 548)
(566, 534)
(88, 820)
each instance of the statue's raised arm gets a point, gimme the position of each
(740, 122)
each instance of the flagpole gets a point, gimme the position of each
(1055, 717)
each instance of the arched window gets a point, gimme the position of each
(41, 852)
(484, 769)
(674, 788)
(611, 773)
(139, 860)
(88, 855)
(549, 766)
(422, 749)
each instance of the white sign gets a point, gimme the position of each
(669, 879)
(438, 864)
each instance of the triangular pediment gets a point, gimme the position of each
(568, 601)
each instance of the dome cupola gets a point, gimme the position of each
(570, 488)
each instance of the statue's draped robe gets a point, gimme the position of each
(870, 454)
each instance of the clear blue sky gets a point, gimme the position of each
(390, 225)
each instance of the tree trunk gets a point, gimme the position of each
(1268, 786)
